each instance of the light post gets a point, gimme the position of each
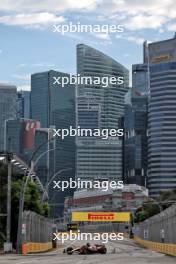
(8, 157)
(48, 183)
(9, 178)
(23, 190)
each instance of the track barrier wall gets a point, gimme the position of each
(169, 249)
(37, 233)
(158, 232)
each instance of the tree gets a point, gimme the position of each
(167, 198)
(153, 207)
(146, 211)
(32, 201)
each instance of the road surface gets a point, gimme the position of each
(123, 252)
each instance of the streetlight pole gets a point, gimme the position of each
(22, 194)
(52, 178)
(9, 177)
(8, 157)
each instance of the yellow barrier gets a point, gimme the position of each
(35, 247)
(169, 249)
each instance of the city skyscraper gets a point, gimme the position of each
(23, 104)
(54, 105)
(99, 107)
(8, 109)
(20, 137)
(162, 117)
(135, 125)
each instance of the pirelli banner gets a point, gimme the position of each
(100, 217)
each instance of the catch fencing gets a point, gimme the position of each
(158, 232)
(105, 227)
(100, 227)
(37, 233)
(159, 228)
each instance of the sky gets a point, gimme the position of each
(28, 43)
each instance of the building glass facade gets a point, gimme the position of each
(54, 105)
(135, 125)
(23, 104)
(101, 108)
(162, 117)
(8, 110)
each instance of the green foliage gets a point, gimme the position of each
(32, 200)
(168, 195)
(141, 216)
(153, 207)
(45, 209)
(146, 211)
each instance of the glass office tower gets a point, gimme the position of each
(23, 104)
(20, 137)
(162, 117)
(99, 107)
(8, 109)
(135, 125)
(54, 105)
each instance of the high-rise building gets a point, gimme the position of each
(99, 107)
(23, 104)
(20, 137)
(135, 125)
(54, 105)
(162, 117)
(44, 165)
(140, 80)
(8, 108)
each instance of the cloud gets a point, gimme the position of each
(43, 64)
(47, 5)
(136, 40)
(21, 65)
(138, 15)
(25, 77)
(31, 19)
(23, 87)
(100, 35)
(145, 22)
(172, 27)
(148, 7)
(135, 15)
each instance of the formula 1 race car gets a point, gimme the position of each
(87, 249)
